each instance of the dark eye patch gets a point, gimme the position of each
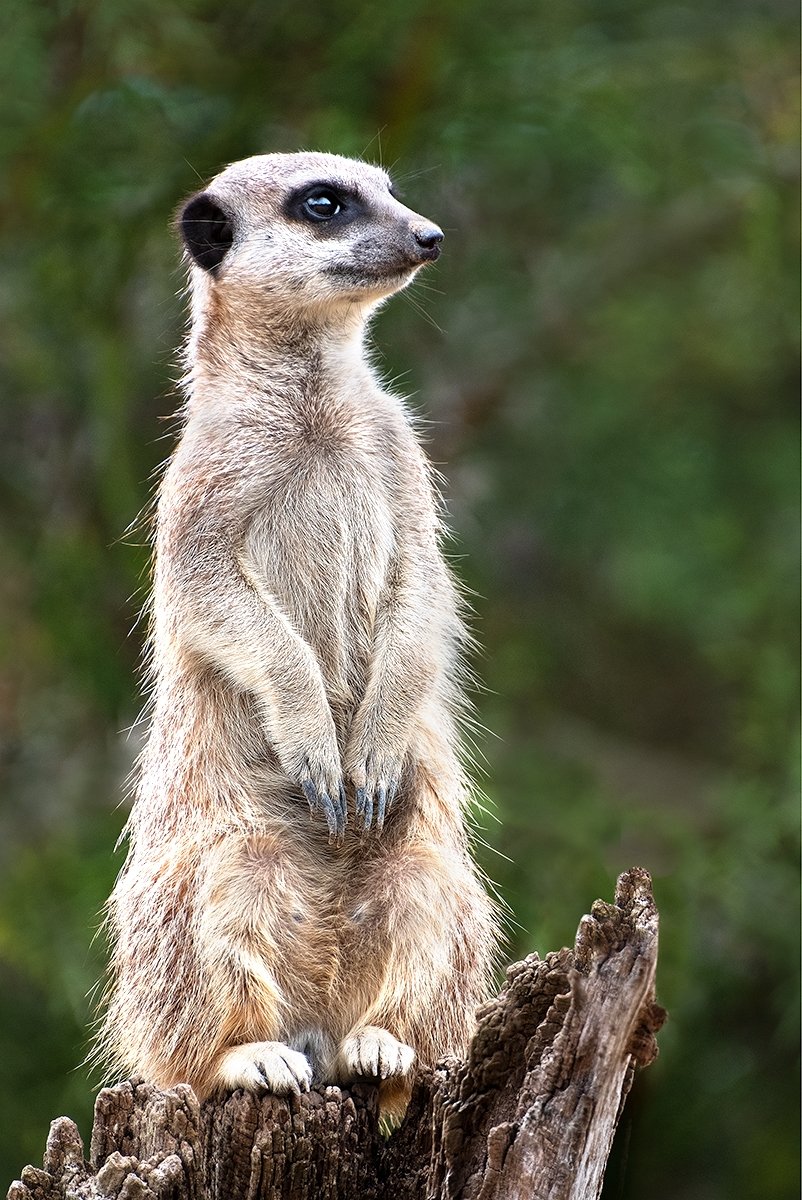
(325, 205)
(206, 230)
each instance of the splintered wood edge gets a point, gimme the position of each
(558, 1144)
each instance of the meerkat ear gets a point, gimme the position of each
(206, 231)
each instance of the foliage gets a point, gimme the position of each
(606, 354)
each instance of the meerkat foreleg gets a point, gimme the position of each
(402, 673)
(240, 627)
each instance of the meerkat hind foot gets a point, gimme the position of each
(265, 1066)
(375, 1053)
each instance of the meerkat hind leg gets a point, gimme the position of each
(265, 1066)
(375, 1053)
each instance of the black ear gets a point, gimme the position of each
(206, 230)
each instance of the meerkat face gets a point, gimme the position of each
(306, 230)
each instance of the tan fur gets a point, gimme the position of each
(305, 627)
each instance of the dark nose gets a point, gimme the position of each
(428, 238)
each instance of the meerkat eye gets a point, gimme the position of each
(321, 205)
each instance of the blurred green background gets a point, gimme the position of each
(607, 357)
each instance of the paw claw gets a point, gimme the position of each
(381, 798)
(330, 814)
(333, 810)
(368, 810)
(311, 793)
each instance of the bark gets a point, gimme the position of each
(528, 1115)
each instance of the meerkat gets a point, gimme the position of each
(299, 904)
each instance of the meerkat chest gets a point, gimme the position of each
(326, 529)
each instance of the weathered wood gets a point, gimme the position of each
(528, 1115)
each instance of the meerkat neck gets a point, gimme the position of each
(252, 347)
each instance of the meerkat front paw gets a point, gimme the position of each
(265, 1066)
(376, 779)
(375, 1053)
(316, 767)
(324, 790)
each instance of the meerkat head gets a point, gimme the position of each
(313, 232)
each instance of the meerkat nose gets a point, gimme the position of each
(429, 236)
(428, 239)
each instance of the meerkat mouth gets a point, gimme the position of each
(367, 277)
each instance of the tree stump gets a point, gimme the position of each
(528, 1115)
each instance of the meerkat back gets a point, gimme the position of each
(299, 904)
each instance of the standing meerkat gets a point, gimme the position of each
(305, 655)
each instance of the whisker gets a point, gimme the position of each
(422, 312)
(193, 169)
(377, 137)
